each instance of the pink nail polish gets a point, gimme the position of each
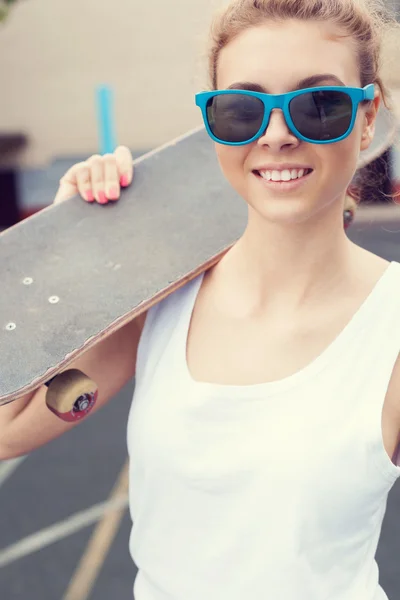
(102, 198)
(113, 193)
(89, 196)
(124, 180)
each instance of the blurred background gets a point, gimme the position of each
(56, 538)
(54, 54)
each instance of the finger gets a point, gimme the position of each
(124, 164)
(84, 183)
(111, 177)
(64, 192)
(96, 166)
(68, 187)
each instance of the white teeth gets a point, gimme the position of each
(285, 175)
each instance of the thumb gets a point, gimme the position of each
(66, 190)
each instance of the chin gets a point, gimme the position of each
(283, 210)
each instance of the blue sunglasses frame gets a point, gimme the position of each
(282, 101)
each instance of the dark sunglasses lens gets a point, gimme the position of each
(322, 115)
(235, 117)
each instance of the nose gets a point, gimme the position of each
(278, 134)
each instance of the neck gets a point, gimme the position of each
(285, 267)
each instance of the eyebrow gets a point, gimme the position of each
(304, 83)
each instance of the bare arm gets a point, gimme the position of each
(27, 423)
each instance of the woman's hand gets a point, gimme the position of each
(98, 179)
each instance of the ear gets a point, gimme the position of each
(369, 121)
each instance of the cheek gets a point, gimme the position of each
(342, 160)
(232, 161)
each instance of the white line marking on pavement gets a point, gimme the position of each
(56, 532)
(8, 467)
(84, 578)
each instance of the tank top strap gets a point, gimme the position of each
(378, 352)
(162, 325)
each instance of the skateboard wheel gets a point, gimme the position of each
(71, 395)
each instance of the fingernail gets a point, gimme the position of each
(124, 180)
(89, 196)
(102, 198)
(113, 193)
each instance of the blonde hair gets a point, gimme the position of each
(365, 22)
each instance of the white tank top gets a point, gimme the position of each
(230, 499)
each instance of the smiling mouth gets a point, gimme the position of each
(306, 172)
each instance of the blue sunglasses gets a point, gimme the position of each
(319, 115)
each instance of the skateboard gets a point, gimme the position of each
(76, 272)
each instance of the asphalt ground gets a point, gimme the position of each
(58, 538)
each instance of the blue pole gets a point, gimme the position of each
(106, 122)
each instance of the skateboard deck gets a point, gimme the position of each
(76, 272)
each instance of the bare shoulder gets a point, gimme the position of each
(391, 411)
(140, 321)
(374, 267)
(394, 386)
(369, 264)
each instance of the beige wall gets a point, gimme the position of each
(53, 53)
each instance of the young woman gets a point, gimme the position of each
(266, 416)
